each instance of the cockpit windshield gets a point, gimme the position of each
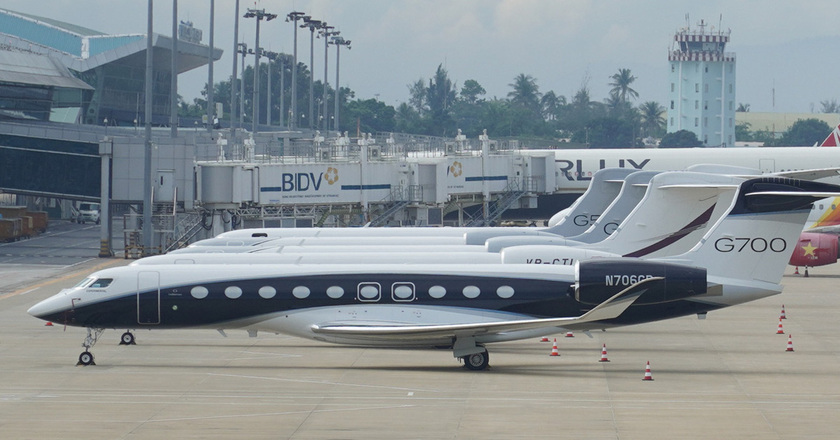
(101, 283)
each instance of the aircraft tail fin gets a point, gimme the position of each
(833, 139)
(755, 239)
(603, 189)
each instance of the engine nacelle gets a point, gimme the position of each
(814, 249)
(496, 244)
(598, 280)
(480, 236)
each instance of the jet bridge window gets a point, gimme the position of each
(101, 283)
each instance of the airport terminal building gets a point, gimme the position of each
(56, 71)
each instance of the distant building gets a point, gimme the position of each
(56, 71)
(702, 86)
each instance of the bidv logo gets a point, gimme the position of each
(307, 181)
(456, 169)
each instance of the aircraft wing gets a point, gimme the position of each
(609, 309)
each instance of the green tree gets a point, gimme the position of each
(471, 90)
(440, 96)
(805, 132)
(830, 106)
(607, 132)
(743, 107)
(551, 104)
(408, 120)
(742, 132)
(620, 84)
(417, 95)
(680, 139)
(526, 93)
(652, 118)
(371, 115)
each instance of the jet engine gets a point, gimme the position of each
(814, 249)
(598, 280)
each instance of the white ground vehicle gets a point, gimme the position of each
(88, 212)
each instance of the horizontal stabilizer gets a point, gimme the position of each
(609, 309)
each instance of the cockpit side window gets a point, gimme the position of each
(101, 283)
(85, 282)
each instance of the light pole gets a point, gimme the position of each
(173, 85)
(312, 25)
(242, 50)
(272, 56)
(211, 110)
(326, 32)
(260, 15)
(294, 17)
(338, 42)
(234, 75)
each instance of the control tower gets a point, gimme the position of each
(702, 82)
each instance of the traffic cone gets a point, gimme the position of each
(647, 372)
(790, 343)
(554, 351)
(48, 324)
(544, 339)
(796, 272)
(783, 316)
(604, 354)
(780, 331)
(570, 335)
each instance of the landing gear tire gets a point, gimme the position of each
(477, 361)
(86, 358)
(127, 338)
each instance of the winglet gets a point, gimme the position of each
(833, 139)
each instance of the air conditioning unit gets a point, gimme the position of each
(324, 154)
(451, 148)
(374, 153)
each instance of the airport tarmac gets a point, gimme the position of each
(727, 376)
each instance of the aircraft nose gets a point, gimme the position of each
(51, 307)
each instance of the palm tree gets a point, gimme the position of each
(742, 107)
(653, 119)
(550, 103)
(621, 85)
(525, 93)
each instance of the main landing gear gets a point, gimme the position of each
(86, 358)
(477, 361)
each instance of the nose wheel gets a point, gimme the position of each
(86, 358)
(127, 338)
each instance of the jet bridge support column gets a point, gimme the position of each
(106, 150)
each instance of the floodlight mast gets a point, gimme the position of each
(338, 42)
(260, 15)
(312, 25)
(294, 17)
(327, 32)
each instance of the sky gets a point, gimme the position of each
(785, 51)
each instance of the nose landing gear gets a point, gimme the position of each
(86, 358)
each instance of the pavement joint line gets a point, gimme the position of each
(320, 382)
(282, 413)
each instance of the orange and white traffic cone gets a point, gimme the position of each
(647, 372)
(604, 354)
(570, 335)
(790, 343)
(544, 339)
(554, 351)
(796, 272)
(48, 324)
(782, 315)
(780, 331)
